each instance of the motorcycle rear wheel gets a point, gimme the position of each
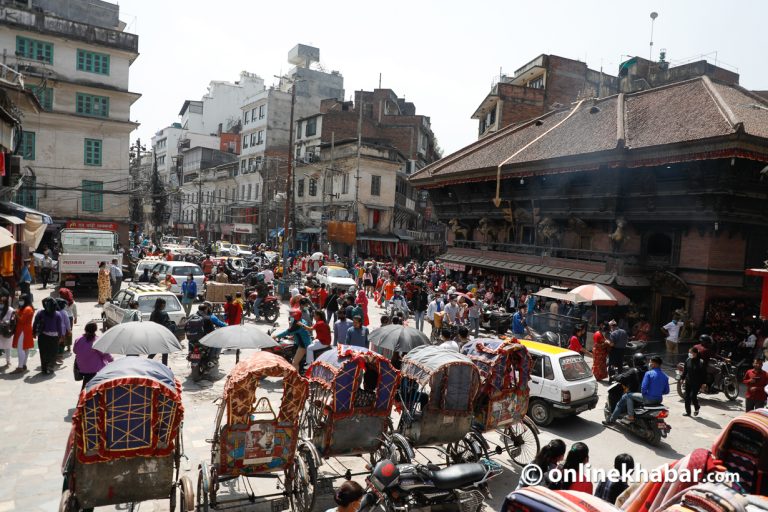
(731, 390)
(681, 388)
(271, 316)
(196, 375)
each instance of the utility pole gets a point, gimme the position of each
(199, 204)
(357, 174)
(289, 181)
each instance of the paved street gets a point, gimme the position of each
(38, 409)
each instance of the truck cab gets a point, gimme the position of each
(81, 252)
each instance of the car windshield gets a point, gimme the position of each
(575, 368)
(186, 270)
(338, 272)
(73, 242)
(147, 303)
(244, 248)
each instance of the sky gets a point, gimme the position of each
(441, 55)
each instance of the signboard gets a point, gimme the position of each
(243, 228)
(344, 232)
(458, 267)
(77, 224)
(226, 229)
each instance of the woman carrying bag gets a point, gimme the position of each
(88, 361)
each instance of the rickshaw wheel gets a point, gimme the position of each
(186, 494)
(203, 487)
(468, 449)
(302, 483)
(68, 502)
(519, 436)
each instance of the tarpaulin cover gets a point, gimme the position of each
(541, 499)
(505, 370)
(342, 370)
(743, 447)
(452, 378)
(132, 407)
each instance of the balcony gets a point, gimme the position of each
(587, 256)
(403, 201)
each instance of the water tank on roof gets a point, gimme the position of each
(302, 55)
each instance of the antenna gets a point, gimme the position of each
(654, 15)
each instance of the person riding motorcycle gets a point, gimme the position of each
(301, 338)
(262, 291)
(398, 301)
(630, 380)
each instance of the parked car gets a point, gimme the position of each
(145, 294)
(179, 270)
(221, 248)
(335, 277)
(240, 250)
(561, 383)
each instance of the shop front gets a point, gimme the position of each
(242, 233)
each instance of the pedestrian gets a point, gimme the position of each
(115, 277)
(47, 268)
(331, 306)
(88, 360)
(358, 335)
(609, 489)
(66, 340)
(348, 497)
(600, 349)
(672, 333)
(207, 266)
(545, 461)
(368, 282)
(155, 278)
(618, 343)
(446, 341)
(49, 327)
(104, 283)
(473, 314)
(71, 309)
(23, 338)
(362, 301)
(300, 337)
(694, 375)
(221, 276)
(756, 379)
(132, 314)
(7, 326)
(519, 324)
(574, 343)
(233, 312)
(159, 316)
(420, 305)
(188, 293)
(340, 328)
(322, 335)
(574, 468)
(25, 278)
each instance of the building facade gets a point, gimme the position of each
(75, 150)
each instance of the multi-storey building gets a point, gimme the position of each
(391, 219)
(76, 58)
(535, 87)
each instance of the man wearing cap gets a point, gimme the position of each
(618, 341)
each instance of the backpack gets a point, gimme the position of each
(195, 328)
(8, 329)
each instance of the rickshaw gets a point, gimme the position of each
(351, 393)
(125, 445)
(501, 401)
(250, 440)
(743, 448)
(437, 391)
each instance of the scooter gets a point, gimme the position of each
(407, 487)
(649, 421)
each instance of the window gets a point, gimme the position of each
(92, 105)
(245, 117)
(298, 129)
(34, 49)
(245, 141)
(93, 196)
(261, 137)
(253, 114)
(375, 185)
(249, 191)
(300, 187)
(92, 152)
(256, 192)
(345, 183)
(312, 187)
(253, 139)
(311, 127)
(26, 195)
(242, 193)
(298, 152)
(536, 83)
(44, 95)
(535, 365)
(28, 145)
(93, 62)
(574, 368)
(549, 373)
(261, 112)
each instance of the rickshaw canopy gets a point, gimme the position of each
(342, 371)
(131, 408)
(243, 380)
(502, 363)
(452, 378)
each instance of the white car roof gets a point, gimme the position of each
(149, 289)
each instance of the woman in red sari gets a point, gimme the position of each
(599, 355)
(362, 300)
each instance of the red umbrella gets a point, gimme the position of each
(600, 295)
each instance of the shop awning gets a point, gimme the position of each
(11, 219)
(529, 269)
(17, 210)
(378, 238)
(405, 238)
(310, 231)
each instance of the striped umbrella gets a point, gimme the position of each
(600, 295)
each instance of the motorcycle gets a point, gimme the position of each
(287, 350)
(495, 319)
(649, 421)
(724, 381)
(406, 487)
(201, 359)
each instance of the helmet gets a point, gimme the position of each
(296, 314)
(705, 339)
(259, 277)
(638, 359)
(398, 289)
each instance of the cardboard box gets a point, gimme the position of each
(216, 292)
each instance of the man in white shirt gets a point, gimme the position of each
(435, 306)
(452, 310)
(672, 332)
(115, 276)
(446, 341)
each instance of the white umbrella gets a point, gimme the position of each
(317, 256)
(6, 238)
(238, 336)
(564, 295)
(600, 295)
(138, 338)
